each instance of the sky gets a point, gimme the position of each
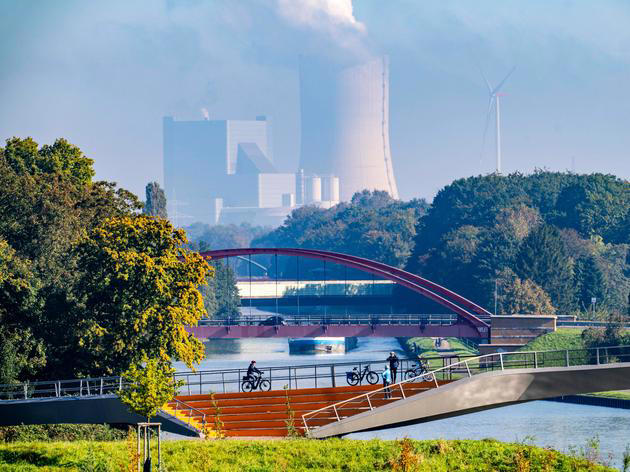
(103, 74)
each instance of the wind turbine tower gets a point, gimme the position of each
(495, 101)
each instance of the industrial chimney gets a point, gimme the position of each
(345, 124)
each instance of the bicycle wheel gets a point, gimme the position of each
(247, 386)
(265, 385)
(427, 378)
(372, 377)
(353, 379)
(410, 374)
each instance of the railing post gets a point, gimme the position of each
(501, 359)
(200, 392)
(468, 369)
(315, 375)
(435, 380)
(101, 391)
(401, 390)
(332, 375)
(119, 383)
(25, 391)
(566, 355)
(535, 360)
(367, 395)
(305, 425)
(597, 355)
(336, 414)
(80, 387)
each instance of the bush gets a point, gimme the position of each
(61, 432)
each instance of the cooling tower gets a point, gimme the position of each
(345, 124)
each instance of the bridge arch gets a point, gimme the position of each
(463, 307)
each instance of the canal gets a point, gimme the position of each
(562, 426)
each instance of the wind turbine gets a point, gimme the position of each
(494, 100)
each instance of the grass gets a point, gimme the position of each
(295, 455)
(625, 395)
(563, 338)
(426, 348)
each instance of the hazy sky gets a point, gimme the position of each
(103, 73)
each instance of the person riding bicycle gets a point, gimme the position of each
(251, 370)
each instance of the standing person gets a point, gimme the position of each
(387, 380)
(393, 365)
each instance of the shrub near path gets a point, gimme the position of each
(297, 455)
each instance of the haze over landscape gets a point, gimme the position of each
(104, 74)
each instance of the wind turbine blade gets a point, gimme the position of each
(498, 87)
(485, 79)
(485, 130)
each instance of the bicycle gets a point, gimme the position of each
(252, 383)
(356, 376)
(419, 370)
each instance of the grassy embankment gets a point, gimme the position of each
(294, 455)
(567, 338)
(425, 347)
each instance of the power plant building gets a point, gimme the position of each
(345, 124)
(222, 171)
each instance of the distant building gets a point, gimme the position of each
(345, 125)
(221, 171)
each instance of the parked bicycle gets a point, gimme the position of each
(255, 382)
(356, 376)
(419, 370)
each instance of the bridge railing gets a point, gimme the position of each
(219, 380)
(467, 368)
(335, 319)
(62, 388)
(318, 375)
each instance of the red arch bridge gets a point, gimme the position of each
(465, 320)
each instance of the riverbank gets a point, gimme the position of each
(421, 346)
(296, 455)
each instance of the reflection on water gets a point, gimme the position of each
(237, 353)
(561, 426)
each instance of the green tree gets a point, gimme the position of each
(589, 282)
(137, 292)
(523, 297)
(61, 158)
(21, 353)
(151, 386)
(543, 259)
(155, 204)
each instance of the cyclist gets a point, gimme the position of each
(251, 370)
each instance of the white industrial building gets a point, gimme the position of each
(222, 171)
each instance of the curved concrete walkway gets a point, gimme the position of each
(482, 392)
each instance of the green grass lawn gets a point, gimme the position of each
(294, 455)
(563, 338)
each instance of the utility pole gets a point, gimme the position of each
(496, 285)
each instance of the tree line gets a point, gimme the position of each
(88, 284)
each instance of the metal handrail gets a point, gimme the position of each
(200, 381)
(465, 363)
(335, 319)
(190, 410)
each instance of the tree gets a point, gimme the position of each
(543, 260)
(21, 353)
(137, 292)
(589, 282)
(151, 386)
(516, 296)
(156, 201)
